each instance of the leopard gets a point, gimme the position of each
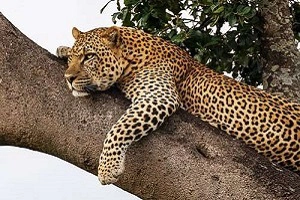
(159, 77)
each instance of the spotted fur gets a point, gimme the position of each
(159, 77)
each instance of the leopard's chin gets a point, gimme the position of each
(76, 93)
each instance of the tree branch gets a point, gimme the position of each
(281, 72)
(184, 159)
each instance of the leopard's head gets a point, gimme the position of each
(94, 62)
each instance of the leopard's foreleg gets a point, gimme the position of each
(154, 97)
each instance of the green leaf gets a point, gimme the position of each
(172, 33)
(174, 6)
(179, 38)
(130, 2)
(198, 57)
(243, 10)
(206, 2)
(211, 43)
(144, 19)
(116, 16)
(239, 9)
(219, 10)
(127, 18)
(202, 17)
(232, 20)
(215, 20)
(246, 10)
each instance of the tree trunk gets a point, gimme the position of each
(281, 72)
(184, 159)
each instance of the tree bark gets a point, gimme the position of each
(281, 73)
(184, 159)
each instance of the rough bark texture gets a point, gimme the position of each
(184, 159)
(282, 59)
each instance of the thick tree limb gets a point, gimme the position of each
(281, 57)
(184, 159)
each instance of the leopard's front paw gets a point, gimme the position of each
(63, 52)
(110, 168)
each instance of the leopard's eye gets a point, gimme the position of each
(88, 56)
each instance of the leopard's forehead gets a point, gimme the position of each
(89, 40)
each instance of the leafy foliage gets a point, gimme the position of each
(223, 34)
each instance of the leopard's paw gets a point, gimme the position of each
(63, 51)
(110, 168)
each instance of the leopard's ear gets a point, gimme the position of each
(76, 33)
(113, 36)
